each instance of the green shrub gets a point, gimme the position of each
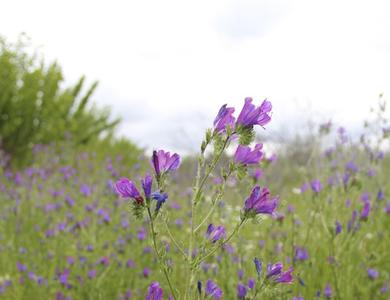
(36, 109)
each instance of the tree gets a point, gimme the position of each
(35, 109)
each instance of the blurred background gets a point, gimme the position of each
(165, 67)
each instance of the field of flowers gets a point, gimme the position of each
(251, 225)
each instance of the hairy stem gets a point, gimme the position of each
(199, 184)
(162, 265)
(174, 240)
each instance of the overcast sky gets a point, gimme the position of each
(167, 66)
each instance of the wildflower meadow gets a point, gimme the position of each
(233, 221)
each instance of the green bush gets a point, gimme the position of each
(35, 109)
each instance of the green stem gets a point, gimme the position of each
(311, 221)
(198, 188)
(258, 289)
(174, 241)
(334, 269)
(162, 265)
(217, 199)
(189, 277)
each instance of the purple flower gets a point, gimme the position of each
(351, 166)
(85, 190)
(147, 185)
(130, 263)
(215, 233)
(91, 274)
(346, 177)
(316, 186)
(104, 261)
(244, 155)
(259, 202)
(21, 267)
(301, 254)
(127, 189)
(304, 187)
(328, 291)
(258, 266)
(213, 290)
(351, 222)
(372, 273)
(275, 272)
(387, 208)
(339, 227)
(141, 234)
(251, 283)
(63, 278)
(381, 195)
(146, 272)
(240, 273)
(251, 115)
(160, 198)
(164, 162)
(365, 197)
(241, 291)
(365, 210)
(155, 292)
(224, 118)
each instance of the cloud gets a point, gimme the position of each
(250, 18)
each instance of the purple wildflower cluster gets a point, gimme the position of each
(249, 116)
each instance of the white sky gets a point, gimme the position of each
(167, 66)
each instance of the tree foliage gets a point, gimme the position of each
(36, 109)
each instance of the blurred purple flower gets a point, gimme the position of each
(21, 267)
(316, 186)
(146, 272)
(301, 254)
(258, 266)
(338, 228)
(251, 283)
(351, 166)
(91, 274)
(213, 290)
(381, 195)
(141, 234)
(304, 187)
(155, 292)
(240, 274)
(85, 190)
(130, 263)
(241, 291)
(328, 291)
(372, 273)
(387, 208)
(365, 211)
